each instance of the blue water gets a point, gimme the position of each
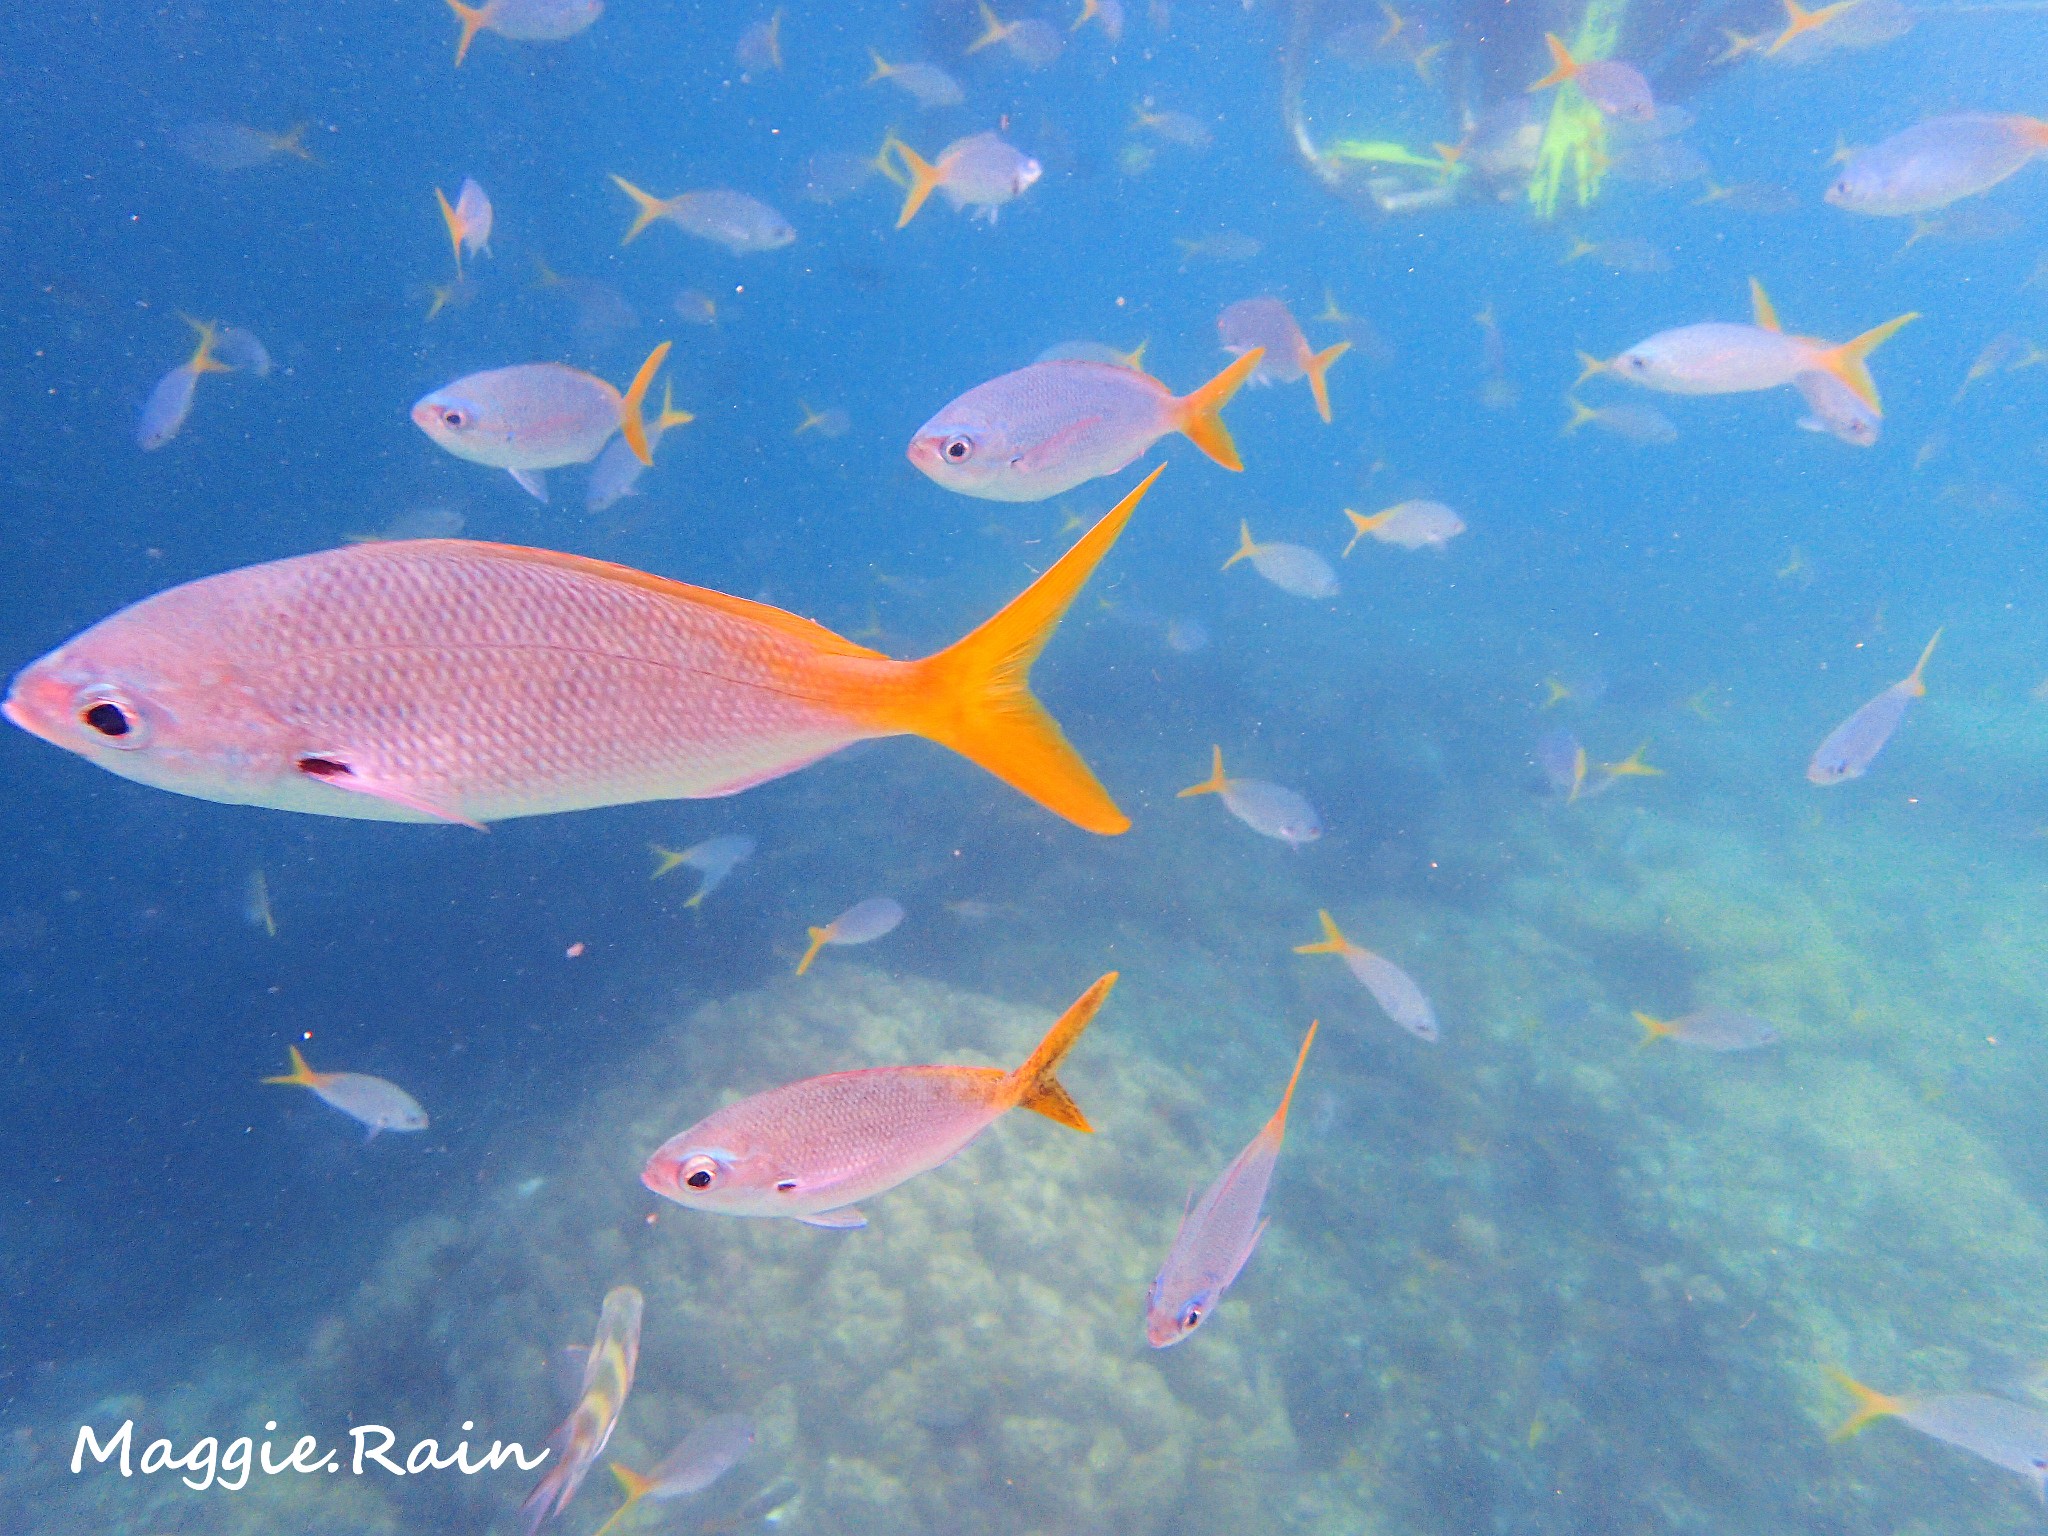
(1489, 1297)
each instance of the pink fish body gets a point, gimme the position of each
(1852, 746)
(523, 21)
(1714, 358)
(1934, 163)
(417, 680)
(1266, 325)
(811, 1150)
(607, 1381)
(983, 172)
(1391, 987)
(1218, 1234)
(1616, 88)
(1049, 427)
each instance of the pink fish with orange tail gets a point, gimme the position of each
(810, 1150)
(523, 21)
(1218, 1234)
(441, 680)
(1048, 427)
(607, 1379)
(1268, 324)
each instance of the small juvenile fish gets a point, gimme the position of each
(1643, 425)
(1293, 568)
(522, 21)
(696, 307)
(237, 147)
(1407, 525)
(1268, 809)
(861, 923)
(1048, 427)
(1033, 42)
(1217, 1235)
(1266, 325)
(1563, 761)
(699, 1459)
(982, 172)
(2006, 1434)
(810, 1150)
(468, 221)
(926, 84)
(535, 417)
(1933, 163)
(617, 472)
(1853, 745)
(742, 224)
(1391, 987)
(1711, 1029)
(256, 904)
(713, 859)
(1617, 89)
(1175, 128)
(369, 1101)
(830, 422)
(607, 1381)
(760, 47)
(1629, 254)
(170, 403)
(1836, 409)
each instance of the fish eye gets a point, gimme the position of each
(699, 1172)
(958, 450)
(113, 719)
(1191, 1318)
(453, 417)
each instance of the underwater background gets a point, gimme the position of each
(1531, 1278)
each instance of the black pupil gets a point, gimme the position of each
(108, 719)
(700, 1179)
(956, 449)
(454, 418)
(786, 1185)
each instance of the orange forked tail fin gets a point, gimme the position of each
(1561, 56)
(671, 416)
(631, 422)
(1581, 414)
(975, 697)
(1215, 784)
(993, 29)
(1653, 1029)
(883, 68)
(647, 208)
(1799, 21)
(1914, 685)
(1333, 941)
(2035, 130)
(924, 180)
(820, 937)
(1588, 366)
(1277, 1126)
(202, 359)
(1245, 547)
(1362, 525)
(454, 222)
(1871, 1405)
(1318, 368)
(1199, 415)
(473, 18)
(1033, 1086)
(300, 1076)
(636, 1488)
(1846, 362)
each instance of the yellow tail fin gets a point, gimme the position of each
(1362, 525)
(993, 29)
(1653, 1029)
(1846, 361)
(1870, 1405)
(924, 180)
(202, 359)
(1561, 56)
(820, 937)
(631, 423)
(636, 1488)
(1633, 766)
(1318, 368)
(670, 416)
(1581, 414)
(883, 68)
(1033, 1086)
(1915, 685)
(1588, 366)
(1200, 415)
(1761, 308)
(472, 18)
(975, 697)
(1277, 1126)
(454, 222)
(300, 1076)
(1245, 547)
(1215, 784)
(647, 209)
(1333, 941)
(665, 860)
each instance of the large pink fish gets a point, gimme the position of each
(534, 417)
(436, 679)
(1046, 428)
(810, 1150)
(1218, 1235)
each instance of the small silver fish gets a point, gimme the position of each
(1293, 568)
(1268, 809)
(1391, 987)
(1711, 1029)
(380, 1105)
(1853, 745)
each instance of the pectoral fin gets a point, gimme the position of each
(532, 481)
(337, 772)
(845, 1219)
